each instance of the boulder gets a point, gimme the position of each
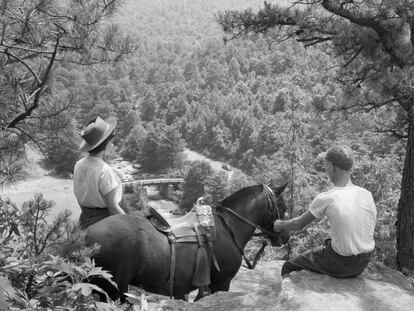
(379, 288)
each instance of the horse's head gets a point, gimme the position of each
(259, 206)
(277, 211)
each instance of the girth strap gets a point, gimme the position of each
(213, 254)
(172, 240)
(209, 245)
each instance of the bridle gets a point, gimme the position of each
(272, 210)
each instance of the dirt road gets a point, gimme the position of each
(215, 165)
(39, 180)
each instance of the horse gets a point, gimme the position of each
(136, 253)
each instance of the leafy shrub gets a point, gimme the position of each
(132, 143)
(33, 279)
(215, 187)
(12, 159)
(382, 176)
(194, 182)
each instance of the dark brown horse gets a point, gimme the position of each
(137, 254)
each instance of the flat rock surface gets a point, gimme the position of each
(379, 288)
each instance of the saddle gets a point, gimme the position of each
(197, 226)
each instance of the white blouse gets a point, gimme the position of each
(92, 179)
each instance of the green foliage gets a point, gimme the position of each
(266, 108)
(12, 158)
(194, 183)
(55, 283)
(157, 149)
(215, 188)
(148, 107)
(128, 118)
(133, 198)
(132, 143)
(43, 36)
(373, 43)
(148, 153)
(237, 181)
(170, 148)
(31, 278)
(62, 150)
(382, 177)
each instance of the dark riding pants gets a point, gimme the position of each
(91, 215)
(323, 259)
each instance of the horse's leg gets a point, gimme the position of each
(181, 297)
(223, 287)
(203, 291)
(106, 286)
(122, 278)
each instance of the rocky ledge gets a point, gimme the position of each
(379, 288)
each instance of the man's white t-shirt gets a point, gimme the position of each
(352, 214)
(92, 179)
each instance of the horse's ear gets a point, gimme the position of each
(279, 190)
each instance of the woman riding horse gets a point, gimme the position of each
(97, 187)
(136, 253)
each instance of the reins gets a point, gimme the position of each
(270, 195)
(263, 230)
(233, 236)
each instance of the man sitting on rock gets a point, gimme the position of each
(351, 213)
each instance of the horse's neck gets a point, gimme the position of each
(244, 231)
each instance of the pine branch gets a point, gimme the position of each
(371, 21)
(368, 106)
(353, 57)
(313, 40)
(393, 132)
(39, 91)
(24, 64)
(33, 139)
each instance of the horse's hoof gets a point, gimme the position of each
(203, 293)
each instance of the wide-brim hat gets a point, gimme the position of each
(95, 132)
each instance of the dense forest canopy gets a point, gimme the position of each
(372, 42)
(268, 108)
(264, 104)
(37, 38)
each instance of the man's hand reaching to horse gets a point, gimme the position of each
(294, 224)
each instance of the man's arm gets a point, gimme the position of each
(294, 224)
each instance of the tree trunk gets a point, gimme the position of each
(405, 215)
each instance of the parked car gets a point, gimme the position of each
(178, 212)
(226, 167)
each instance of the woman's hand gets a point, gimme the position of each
(111, 202)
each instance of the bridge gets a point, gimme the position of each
(170, 181)
(166, 186)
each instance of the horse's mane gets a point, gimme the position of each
(242, 195)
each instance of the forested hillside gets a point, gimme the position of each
(267, 109)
